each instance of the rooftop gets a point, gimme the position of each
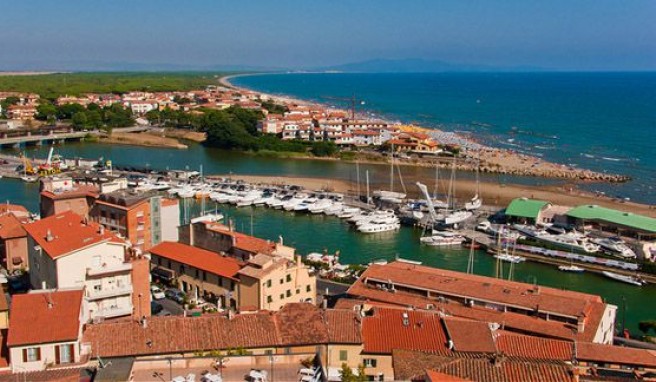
(627, 219)
(125, 198)
(482, 288)
(525, 208)
(45, 317)
(61, 234)
(78, 191)
(198, 258)
(11, 227)
(242, 241)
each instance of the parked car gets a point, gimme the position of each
(156, 292)
(175, 294)
(155, 308)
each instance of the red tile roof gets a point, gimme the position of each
(6, 207)
(79, 191)
(470, 336)
(51, 375)
(487, 289)
(599, 353)
(344, 326)
(69, 233)
(11, 227)
(434, 376)
(244, 242)
(198, 258)
(296, 324)
(386, 330)
(517, 345)
(411, 364)
(34, 321)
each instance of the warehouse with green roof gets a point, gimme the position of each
(526, 211)
(613, 220)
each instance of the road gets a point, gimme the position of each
(171, 306)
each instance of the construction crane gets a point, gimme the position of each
(353, 102)
(28, 169)
(47, 168)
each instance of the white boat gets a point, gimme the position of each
(291, 203)
(304, 205)
(456, 217)
(187, 192)
(378, 220)
(615, 245)
(320, 206)
(569, 241)
(474, 204)
(442, 238)
(633, 280)
(571, 268)
(210, 217)
(334, 209)
(374, 228)
(510, 258)
(348, 212)
(29, 179)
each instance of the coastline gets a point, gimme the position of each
(492, 159)
(493, 194)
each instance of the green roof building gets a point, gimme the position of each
(526, 210)
(607, 217)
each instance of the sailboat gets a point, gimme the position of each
(476, 202)
(391, 196)
(454, 217)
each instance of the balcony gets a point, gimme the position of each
(109, 269)
(114, 311)
(93, 294)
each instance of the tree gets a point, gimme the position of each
(348, 375)
(323, 149)
(46, 111)
(79, 120)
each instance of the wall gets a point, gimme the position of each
(383, 365)
(353, 355)
(47, 356)
(249, 293)
(170, 220)
(79, 205)
(16, 247)
(298, 286)
(141, 286)
(42, 267)
(605, 330)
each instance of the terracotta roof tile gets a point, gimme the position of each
(301, 323)
(408, 364)
(242, 241)
(387, 329)
(198, 258)
(470, 336)
(615, 354)
(11, 227)
(434, 376)
(69, 233)
(51, 375)
(33, 321)
(344, 326)
(517, 345)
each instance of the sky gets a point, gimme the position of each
(588, 35)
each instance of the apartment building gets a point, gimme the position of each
(519, 307)
(270, 282)
(69, 251)
(198, 272)
(46, 329)
(145, 219)
(13, 243)
(63, 195)
(21, 112)
(218, 237)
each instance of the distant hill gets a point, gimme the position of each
(417, 65)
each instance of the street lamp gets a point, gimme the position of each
(170, 368)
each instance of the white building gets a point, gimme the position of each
(67, 251)
(45, 329)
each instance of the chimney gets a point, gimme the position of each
(49, 236)
(497, 359)
(580, 325)
(406, 319)
(144, 322)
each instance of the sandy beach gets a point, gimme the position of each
(487, 159)
(493, 194)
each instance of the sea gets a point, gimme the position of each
(447, 101)
(600, 121)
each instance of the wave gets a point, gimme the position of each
(588, 156)
(612, 159)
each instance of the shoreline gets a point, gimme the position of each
(492, 159)
(493, 194)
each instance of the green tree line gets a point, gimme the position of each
(91, 117)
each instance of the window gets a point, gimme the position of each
(289, 293)
(298, 291)
(204, 276)
(282, 281)
(268, 283)
(343, 355)
(308, 288)
(282, 296)
(64, 354)
(289, 278)
(197, 273)
(369, 362)
(31, 354)
(269, 299)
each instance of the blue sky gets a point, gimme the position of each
(556, 34)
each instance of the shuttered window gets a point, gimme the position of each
(31, 354)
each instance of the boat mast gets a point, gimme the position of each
(392, 169)
(357, 174)
(470, 261)
(367, 176)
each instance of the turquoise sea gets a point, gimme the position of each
(601, 121)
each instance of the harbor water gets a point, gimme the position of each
(316, 233)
